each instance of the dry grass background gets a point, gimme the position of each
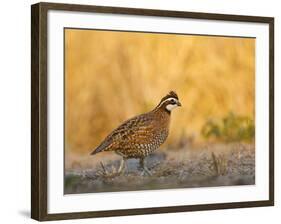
(112, 76)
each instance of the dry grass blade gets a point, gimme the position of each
(104, 171)
(109, 174)
(220, 164)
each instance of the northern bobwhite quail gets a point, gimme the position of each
(142, 134)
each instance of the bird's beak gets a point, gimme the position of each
(179, 104)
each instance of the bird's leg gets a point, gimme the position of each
(144, 168)
(126, 171)
(122, 166)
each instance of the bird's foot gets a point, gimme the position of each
(155, 165)
(146, 172)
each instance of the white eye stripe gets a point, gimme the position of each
(171, 98)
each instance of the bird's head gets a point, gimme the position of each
(169, 102)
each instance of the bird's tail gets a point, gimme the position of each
(100, 148)
(97, 150)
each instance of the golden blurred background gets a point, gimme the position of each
(111, 76)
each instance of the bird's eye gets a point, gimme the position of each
(173, 101)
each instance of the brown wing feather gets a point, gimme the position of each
(135, 130)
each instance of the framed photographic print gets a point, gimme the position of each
(140, 111)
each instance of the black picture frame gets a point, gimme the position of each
(39, 110)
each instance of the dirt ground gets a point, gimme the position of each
(207, 166)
